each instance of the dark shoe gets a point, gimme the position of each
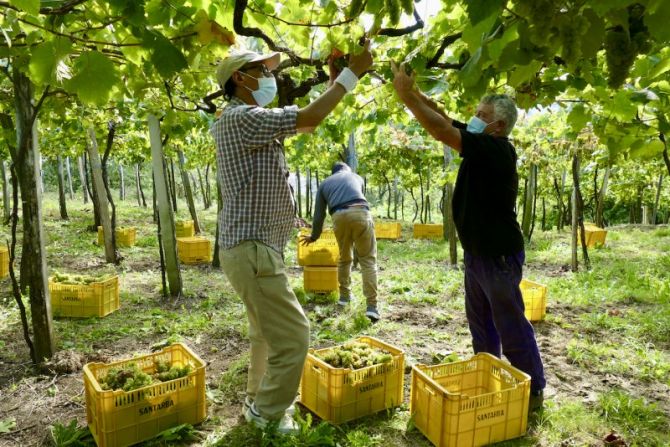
(536, 401)
(372, 313)
(343, 301)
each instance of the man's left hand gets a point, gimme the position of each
(402, 82)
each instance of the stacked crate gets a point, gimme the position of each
(593, 235)
(428, 231)
(194, 250)
(184, 228)
(388, 230)
(125, 236)
(319, 261)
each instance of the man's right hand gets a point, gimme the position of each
(360, 63)
(306, 240)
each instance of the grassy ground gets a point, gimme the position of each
(605, 341)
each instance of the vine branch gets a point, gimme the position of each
(448, 40)
(392, 32)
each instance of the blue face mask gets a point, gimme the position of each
(476, 125)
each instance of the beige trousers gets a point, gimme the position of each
(354, 228)
(278, 327)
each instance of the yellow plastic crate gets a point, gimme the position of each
(388, 230)
(534, 299)
(324, 252)
(428, 231)
(4, 261)
(194, 250)
(320, 279)
(595, 236)
(341, 394)
(84, 300)
(474, 402)
(121, 418)
(125, 236)
(184, 228)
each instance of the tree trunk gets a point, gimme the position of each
(6, 206)
(166, 218)
(205, 199)
(395, 198)
(350, 155)
(216, 262)
(654, 214)
(208, 188)
(573, 245)
(534, 213)
(299, 191)
(61, 189)
(122, 183)
(173, 182)
(82, 178)
(578, 214)
(101, 197)
(69, 177)
(529, 196)
(139, 185)
(421, 219)
(97, 220)
(26, 158)
(666, 157)
(188, 192)
(544, 216)
(308, 194)
(416, 204)
(600, 200)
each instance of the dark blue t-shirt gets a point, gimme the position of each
(485, 195)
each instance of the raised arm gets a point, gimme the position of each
(431, 118)
(311, 115)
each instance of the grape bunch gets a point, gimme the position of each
(130, 377)
(622, 46)
(394, 9)
(354, 355)
(71, 279)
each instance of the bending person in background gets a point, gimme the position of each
(342, 193)
(486, 221)
(257, 219)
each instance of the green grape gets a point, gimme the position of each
(620, 54)
(393, 7)
(355, 8)
(407, 6)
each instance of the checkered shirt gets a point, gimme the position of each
(258, 201)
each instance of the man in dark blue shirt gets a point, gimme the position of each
(483, 207)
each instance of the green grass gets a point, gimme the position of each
(612, 321)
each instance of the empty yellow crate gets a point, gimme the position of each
(184, 228)
(194, 250)
(121, 418)
(428, 231)
(323, 252)
(341, 394)
(534, 299)
(474, 402)
(125, 236)
(388, 230)
(595, 236)
(320, 279)
(4, 261)
(84, 300)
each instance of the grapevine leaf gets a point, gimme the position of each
(29, 6)
(658, 22)
(578, 118)
(479, 10)
(524, 73)
(45, 58)
(94, 77)
(167, 58)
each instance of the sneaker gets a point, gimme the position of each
(536, 401)
(286, 426)
(344, 302)
(372, 313)
(248, 402)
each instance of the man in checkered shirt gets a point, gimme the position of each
(256, 220)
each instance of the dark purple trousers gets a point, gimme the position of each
(494, 307)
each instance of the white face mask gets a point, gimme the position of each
(476, 125)
(266, 92)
